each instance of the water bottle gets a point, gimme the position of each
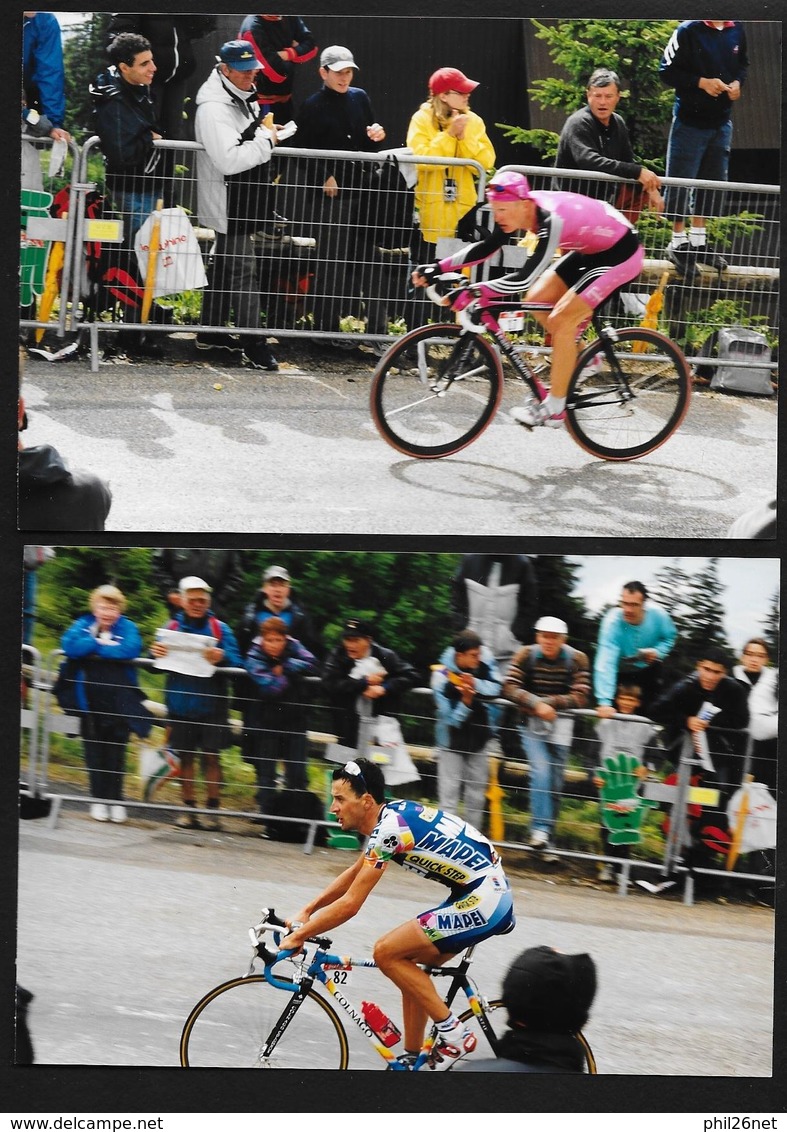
(380, 1023)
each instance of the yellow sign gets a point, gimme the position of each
(106, 231)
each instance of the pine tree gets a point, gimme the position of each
(771, 628)
(631, 48)
(704, 620)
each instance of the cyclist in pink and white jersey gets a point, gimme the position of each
(433, 844)
(601, 251)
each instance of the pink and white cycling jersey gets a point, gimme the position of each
(587, 225)
(571, 223)
(435, 844)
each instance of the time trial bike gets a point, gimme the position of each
(439, 386)
(284, 1017)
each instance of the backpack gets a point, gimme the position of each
(737, 345)
(110, 274)
(213, 622)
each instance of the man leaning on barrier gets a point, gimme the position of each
(596, 138)
(233, 185)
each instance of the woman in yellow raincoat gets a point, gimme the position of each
(445, 126)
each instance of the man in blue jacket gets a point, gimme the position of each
(197, 705)
(706, 61)
(633, 641)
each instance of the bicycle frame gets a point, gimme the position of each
(326, 968)
(514, 354)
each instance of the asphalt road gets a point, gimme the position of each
(190, 444)
(121, 929)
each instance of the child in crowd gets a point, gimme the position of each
(623, 737)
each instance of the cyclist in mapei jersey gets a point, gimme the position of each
(433, 844)
(600, 252)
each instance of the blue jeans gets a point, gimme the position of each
(698, 154)
(547, 762)
(135, 206)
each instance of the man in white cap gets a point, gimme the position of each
(544, 680)
(340, 117)
(197, 705)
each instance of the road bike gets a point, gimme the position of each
(439, 386)
(287, 1021)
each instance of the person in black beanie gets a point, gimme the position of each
(548, 997)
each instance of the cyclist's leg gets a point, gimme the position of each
(397, 954)
(436, 936)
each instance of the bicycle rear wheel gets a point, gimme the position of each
(497, 1016)
(435, 391)
(625, 411)
(230, 1026)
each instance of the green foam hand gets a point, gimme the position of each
(622, 808)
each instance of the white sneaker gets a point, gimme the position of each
(539, 838)
(537, 416)
(118, 814)
(99, 812)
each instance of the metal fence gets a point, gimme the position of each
(297, 263)
(580, 826)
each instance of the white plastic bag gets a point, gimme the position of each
(179, 265)
(759, 830)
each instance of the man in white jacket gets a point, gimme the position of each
(233, 190)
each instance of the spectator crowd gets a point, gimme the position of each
(371, 226)
(625, 712)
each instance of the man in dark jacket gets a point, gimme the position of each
(275, 599)
(280, 43)
(137, 173)
(680, 710)
(362, 677)
(340, 117)
(706, 61)
(53, 497)
(127, 124)
(596, 138)
(548, 997)
(171, 39)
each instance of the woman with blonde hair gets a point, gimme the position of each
(104, 692)
(445, 126)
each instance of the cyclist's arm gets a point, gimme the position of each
(548, 236)
(338, 903)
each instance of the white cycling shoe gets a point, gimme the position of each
(537, 416)
(452, 1045)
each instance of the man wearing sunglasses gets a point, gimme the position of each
(600, 251)
(434, 844)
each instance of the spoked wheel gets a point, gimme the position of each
(230, 1027)
(497, 1016)
(435, 391)
(625, 411)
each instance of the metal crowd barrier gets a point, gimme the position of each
(326, 269)
(41, 721)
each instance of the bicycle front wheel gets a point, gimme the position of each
(626, 409)
(230, 1027)
(497, 1017)
(435, 391)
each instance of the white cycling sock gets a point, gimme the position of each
(449, 1023)
(697, 237)
(555, 405)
